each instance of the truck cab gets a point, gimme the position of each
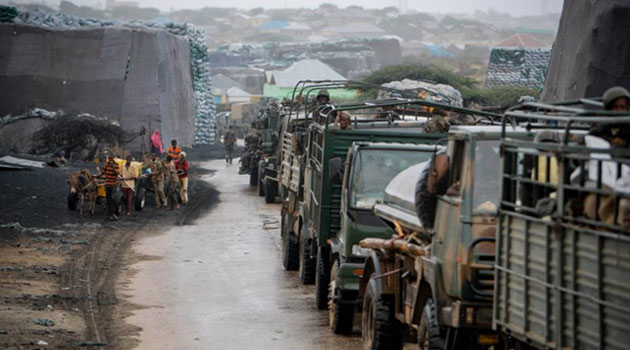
(368, 168)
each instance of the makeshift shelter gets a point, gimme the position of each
(280, 84)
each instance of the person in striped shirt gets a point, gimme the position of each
(174, 151)
(111, 173)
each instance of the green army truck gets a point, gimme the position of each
(268, 158)
(433, 281)
(291, 173)
(363, 176)
(562, 277)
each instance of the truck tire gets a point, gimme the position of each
(140, 199)
(379, 327)
(322, 278)
(430, 335)
(73, 198)
(290, 258)
(253, 177)
(307, 263)
(261, 182)
(340, 315)
(270, 192)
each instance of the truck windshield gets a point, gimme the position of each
(486, 181)
(374, 168)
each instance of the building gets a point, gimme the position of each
(280, 84)
(353, 30)
(521, 40)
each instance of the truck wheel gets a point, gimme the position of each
(270, 192)
(340, 315)
(290, 258)
(379, 327)
(430, 335)
(253, 177)
(261, 182)
(307, 263)
(73, 198)
(140, 199)
(322, 278)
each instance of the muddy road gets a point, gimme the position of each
(219, 284)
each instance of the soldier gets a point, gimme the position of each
(344, 121)
(323, 98)
(615, 99)
(157, 177)
(229, 139)
(251, 145)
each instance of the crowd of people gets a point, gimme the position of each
(169, 177)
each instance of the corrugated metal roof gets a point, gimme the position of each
(277, 24)
(304, 70)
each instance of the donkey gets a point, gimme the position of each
(84, 185)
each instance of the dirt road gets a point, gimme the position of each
(219, 284)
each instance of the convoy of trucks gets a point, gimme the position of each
(496, 232)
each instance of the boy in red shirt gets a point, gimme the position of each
(182, 171)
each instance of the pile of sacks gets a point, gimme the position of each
(205, 110)
(440, 93)
(7, 14)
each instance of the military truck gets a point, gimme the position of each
(368, 168)
(289, 170)
(267, 160)
(563, 237)
(433, 281)
(291, 174)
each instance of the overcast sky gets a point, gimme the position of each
(513, 7)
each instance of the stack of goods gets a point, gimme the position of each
(205, 110)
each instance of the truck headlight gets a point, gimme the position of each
(358, 251)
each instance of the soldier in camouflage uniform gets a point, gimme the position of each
(251, 146)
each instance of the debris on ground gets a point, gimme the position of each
(21, 162)
(44, 322)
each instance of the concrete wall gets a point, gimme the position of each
(136, 76)
(592, 50)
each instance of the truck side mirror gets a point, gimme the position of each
(335, 170)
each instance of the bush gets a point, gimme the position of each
(499, 96)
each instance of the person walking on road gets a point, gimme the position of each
(129, 175)
(173, 184)
(182, 172)
(174, 151)
(111, 172)
(229, 139)
(156, 143)
(157, 177)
